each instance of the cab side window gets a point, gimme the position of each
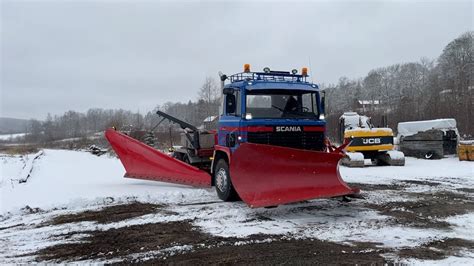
(233, 104)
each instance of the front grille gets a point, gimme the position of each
(298, 140)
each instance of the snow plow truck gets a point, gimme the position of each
(269, 148)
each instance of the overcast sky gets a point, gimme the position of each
(74, 55)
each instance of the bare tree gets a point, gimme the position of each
(209, 94)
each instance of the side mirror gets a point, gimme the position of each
(230, 103)
(323, 103)
(222, 76)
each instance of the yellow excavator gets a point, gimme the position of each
(367, 142)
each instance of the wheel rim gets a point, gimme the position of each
(221, 179)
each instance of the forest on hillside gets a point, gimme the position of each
(427, 89)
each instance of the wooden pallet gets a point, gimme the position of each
(466, 151)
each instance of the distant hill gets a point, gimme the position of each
(12, 125)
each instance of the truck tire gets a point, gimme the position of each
(224, 188)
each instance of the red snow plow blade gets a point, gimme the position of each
(144, 162)
(265, 175)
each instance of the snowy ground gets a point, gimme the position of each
(410, 208)
(11, 136)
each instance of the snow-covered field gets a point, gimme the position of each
(11, 136)
(62, 182)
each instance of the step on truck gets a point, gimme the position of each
(270, 145)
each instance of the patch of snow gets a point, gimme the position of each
(464, 258)
(243, 243)
(352, 120)
(70, 177)
(365, 102)
(11, 136)
(10, 168)
(396, 155)
(413, 127)
(448, 171)
(463, 225)
(321, 219)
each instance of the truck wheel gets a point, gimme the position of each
(224, 188)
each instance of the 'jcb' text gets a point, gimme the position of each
(371, 141)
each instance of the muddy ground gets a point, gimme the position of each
(134, 243)
(426, 210)
(182, 242)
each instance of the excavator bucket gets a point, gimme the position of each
(144, 162)
(265, 175)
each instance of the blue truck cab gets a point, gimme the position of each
(271, 107)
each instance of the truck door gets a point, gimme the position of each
(229, 124)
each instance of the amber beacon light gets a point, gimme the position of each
(247, 68)
(304, 71)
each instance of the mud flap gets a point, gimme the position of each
(144, 162)
(265, 175)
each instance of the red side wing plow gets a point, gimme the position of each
(144, 162)
(265, 175)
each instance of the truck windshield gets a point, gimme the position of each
(281, 104)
